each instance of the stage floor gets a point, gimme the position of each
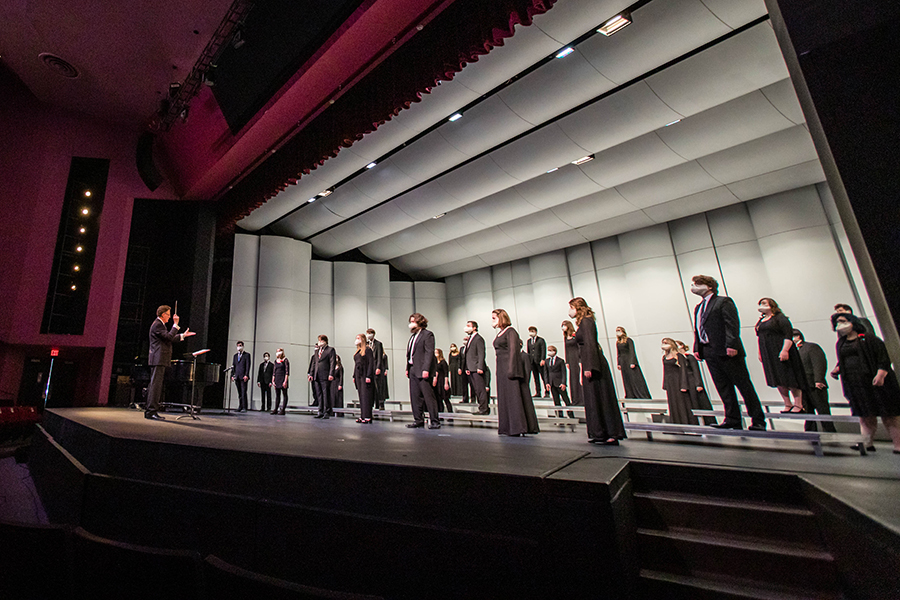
(870, 483)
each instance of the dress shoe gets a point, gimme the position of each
(154, 416)
(757, 427)
(325, 417)
(868, 448)
(434, 426)
(414, 425)
(319, 417)
(281, 412)
(727, 425)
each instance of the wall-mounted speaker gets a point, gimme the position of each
(150, 175)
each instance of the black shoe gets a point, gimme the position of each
(154, 416)
(325, 417)
(757, 427)
(319, 417)
(727, 425)
(415, 425)
(281, 412)
(434, 426)
(868, 448)
(609, 442)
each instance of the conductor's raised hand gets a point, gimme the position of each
(187, 332)
(175, 319)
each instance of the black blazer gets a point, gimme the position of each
(266, 371)
(722, 325)
(241, 365)
(421, 354)
(555, 371)
(161, 343)
(322, 367)
(537, 349)
(473, 353)
(378, 355)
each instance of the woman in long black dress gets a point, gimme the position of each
(364, 378)
(457, 381)
(627, 360)
(512, 404)
(869, 382)
(601, 407)
(441, 381)
(779, 357)
(696, 387)
(573, 362)
(280, 374)
(675, 383)
(337, 385)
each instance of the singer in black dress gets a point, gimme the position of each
(601, 407)
(695, 385)
(441, 381)
(364, 378)
(779, 356)
(512, 403)
(627, 360)
(337, 385)
(573, 362)
(457, 381)
(280, 375)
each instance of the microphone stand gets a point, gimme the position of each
(227, 410)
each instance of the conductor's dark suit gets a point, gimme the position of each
(537, 351)
(264, 379)
(419, 359)
(716, 329)
(555, 377)
(160, 357)
(473, 361)
(241, 365)
(321, 367)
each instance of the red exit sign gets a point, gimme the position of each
(54, 352)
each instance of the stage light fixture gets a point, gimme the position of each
(82, 230)
(74, 288)
(76, 268)
(583, 159)
(85, 211)
(87, 193)
(325, 193)
(311, 200)
(565, 52)
(174, 88)
(553, 169)
(78, 248)
(439, 216)
(455, 117)
(615, 24)
(673, 122)
(371, 165)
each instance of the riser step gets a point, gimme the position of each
(656, 584)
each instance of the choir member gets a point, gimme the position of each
(537, 351)
(627, 361)
(555, 378)
(454, 360)
(473, 364)
(337, 384)
(601, 408)
(377, 349)
(530, 413)
(868, 381)
(513, 399)
(321, 374)
(281, 371)
(264, 383)
(675, 384)
(779, 357)
(847, 309)
(240, 374)
(815, 366)
(696, 387)
(419, 370)
(441, 381)
(364, 377)
(573, 362)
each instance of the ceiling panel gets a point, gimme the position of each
(475, 180)
(294, 196)
(346, 201)
(484, 126)
(335, 241)
(426, 201)
(735, 14)
(551, 189)
(631, 160)
(497, 208)
(503, 255)
(533, 226)
(382, 181)
(661, 31)
(382, 249)
(771, 153)
(595, 207)
(536, 153)
(385, 219)
(783, 96)
(691, 205)
(735, 67)
(485, 241)
(427, 157)
(571, 18)
(676, 182)
(615, 226)
(556, 241)
(306, 222)
(556, 87)
(740, 120)
(443, 100)
(625, 115)
(782, 180)
(473, 263)
(388, 136)
(335, 169)
(415, 239)
(452, 225)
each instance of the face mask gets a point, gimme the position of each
(797, 341)
(700, 290)
(764, 309)
(412, 325)
(280, 355)
(532, 333)
(665, 348)
(370, 336)
(620, 333)
(240, 348)
(468, 329)
(320, 343)
(266, 358)
(572, 313)
(844, 328)
(552, 354)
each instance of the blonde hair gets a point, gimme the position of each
(570, 329)
(361, 345)
(674, 345)
(582, 309)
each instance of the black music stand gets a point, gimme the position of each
(193, 409)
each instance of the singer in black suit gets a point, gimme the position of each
(264, 383)
(717, 340)
(161, 339)
(364, 378)
(555, 379)
(537, 350)
(420, 365)
(473, 364)
(240, 374)
(379, 357)
(321, 374)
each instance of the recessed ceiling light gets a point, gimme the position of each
(324, 193)
(615, 24)
(313, 199)
(371, 165)
(76, 268)
(439, 216)
(553, 169)
(87, 193)
(82, 230)
(565, 52)
(84, 211)
(455, 117)
(673, 122)
(583, 160)
(74, 288)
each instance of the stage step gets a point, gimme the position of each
(657, 584)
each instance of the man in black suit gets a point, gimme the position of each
(264, 383)
(240, 374)
(420, 365)
(537, 351)
(321, 374)
(815, 396)
(161, 339)
(846, 308)
(717, 341)
(377, 349)
(473, 359)
(555, 379)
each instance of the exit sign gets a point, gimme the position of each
(54, 352)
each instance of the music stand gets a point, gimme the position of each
(193, 409)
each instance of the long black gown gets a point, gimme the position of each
(337, 387)
(364, 368)
(699, 400)
(859, 360)
(674, 380)
(573, 362)
(457, 381)
(601, 407)
(635, 384)
(772, 333)
(511, 403)
(440, 394)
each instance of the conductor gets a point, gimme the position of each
(161, 339)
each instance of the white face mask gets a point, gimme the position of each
(468, 329)
(764, 309)
(240, 348)
(572, 313)
(320, 343)
(552, 354)
(280, 355)
(266, 358)
(412, 325)
(665, 348)
(700, 290)
(844, 328)
(532, 333)
(370, 336)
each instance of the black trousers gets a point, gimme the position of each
(815, 401)
(366, 398)
(421, 396)
(155, 389)
(278, 393)
(265, 397)
(241, 392)
(536, 373)
(560, 397)
(476, 382)
(322, 391)
(378, 389)
(727, 373)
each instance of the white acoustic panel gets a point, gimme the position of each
(571, 18)
(426, 201)
(242, 316)
(521, 273)
(690, 234)
(787, 211)
(615, 226)
(551, 305)
(556, 241)
(501, 277)
(562, 185)
(691, 205)
(584, 285)
(735, 14)
(537, 98)
(650, 242)
(320, 277)
(615, 301)
(382, 249)
(682, 180)
(730, 225)
(283, 263)
(378, 280)
(439, 103)
(388, 136)
(455, 288)
(789, 178)
(246, 260)
(306, 221)
(414, 238)
(764, 155)
(483, 126)
(579, 259)
(736, 66)
(744, 277)
(505, 254)
(454, 267)
(477, 282)
(427, 157)
(485, 241)
(784, 98)
(497, 208)
(452, 225)
(321, 316)
(386, 219)
(607, 253)
(431, 301)
(549, 265)
(657, 300)
(274, 314)
(471, 182)
(299, 317)
(534, 226)
(631, 160)
(385, 180)
(347, 235)
(293, 197)
(506, 299)
(525, 310)
(696, 262)
(625, 115)
(348, 200)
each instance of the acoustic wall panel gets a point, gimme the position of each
(431, 301)
(378, 280)
(402, 305)
(350, 312)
